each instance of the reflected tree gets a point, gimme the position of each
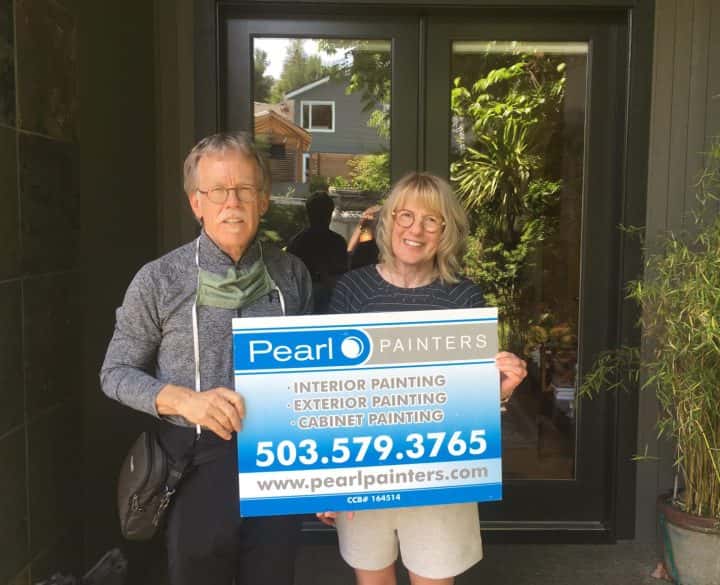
(299, 69)
(262, 84)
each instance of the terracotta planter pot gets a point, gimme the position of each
(691, 545)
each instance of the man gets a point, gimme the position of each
(323, 251)
(150, 363)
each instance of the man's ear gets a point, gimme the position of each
(194, 200)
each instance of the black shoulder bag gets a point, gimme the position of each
(148, 479)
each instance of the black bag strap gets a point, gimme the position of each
(176, 469)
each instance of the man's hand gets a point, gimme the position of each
(220, 410)
(512, 371)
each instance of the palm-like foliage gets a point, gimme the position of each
(504, 124)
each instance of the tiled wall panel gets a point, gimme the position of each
(53, 337)
(41, 446)
(55, 486)
(46, 38)
(7, 64)
(12, 396)
(13, 506)
(50, 203)
(9, 213)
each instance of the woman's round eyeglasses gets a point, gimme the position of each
(406, 218)
(219, 195)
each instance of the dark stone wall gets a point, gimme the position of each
(78, 216)
(41, 292)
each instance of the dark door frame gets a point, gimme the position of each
(639, 18)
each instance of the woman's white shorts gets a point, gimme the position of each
(435, 541)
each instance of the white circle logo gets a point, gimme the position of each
(352, 347)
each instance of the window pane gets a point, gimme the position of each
(321, 117)
(517, 139)
(322, 112)
(306, 116)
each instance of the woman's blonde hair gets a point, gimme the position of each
(437, 195)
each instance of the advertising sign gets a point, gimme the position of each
(371, 410)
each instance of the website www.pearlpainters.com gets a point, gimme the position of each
(362, 479)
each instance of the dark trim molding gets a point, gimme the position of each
(328, 4)
(206, 68)
(641, 28)
(316, 533)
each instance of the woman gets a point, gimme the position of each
(421, 237)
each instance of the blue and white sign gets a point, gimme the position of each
(371, 410)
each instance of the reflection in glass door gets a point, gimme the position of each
(516, 160)
(321, 111)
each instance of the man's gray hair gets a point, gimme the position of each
(219, 144)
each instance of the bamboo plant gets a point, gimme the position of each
(679, 300)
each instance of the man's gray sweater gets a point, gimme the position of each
(153, 341)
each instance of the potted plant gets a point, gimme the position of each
(679, 299)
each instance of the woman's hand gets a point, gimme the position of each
(329, 517)
(512, 371)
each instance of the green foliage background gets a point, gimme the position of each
(507, 124)
(281, 222)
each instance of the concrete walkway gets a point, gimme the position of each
(624, 563)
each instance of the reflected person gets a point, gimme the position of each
(322, 250)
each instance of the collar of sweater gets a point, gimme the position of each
(212, 258)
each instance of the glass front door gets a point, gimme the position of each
(532, 109)
(524, 114)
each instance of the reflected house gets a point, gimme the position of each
(286, 142)
(338, 124)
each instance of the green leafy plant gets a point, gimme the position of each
(281, 222)
(679, 299)
(318, 183)
(368, 172)
(504, 124)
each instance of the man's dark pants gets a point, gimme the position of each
(208, 543)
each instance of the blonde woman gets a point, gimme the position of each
(421, 237)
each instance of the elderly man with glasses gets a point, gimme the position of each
(171, 357)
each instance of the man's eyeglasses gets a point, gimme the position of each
(219, 195)
(405, 218)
